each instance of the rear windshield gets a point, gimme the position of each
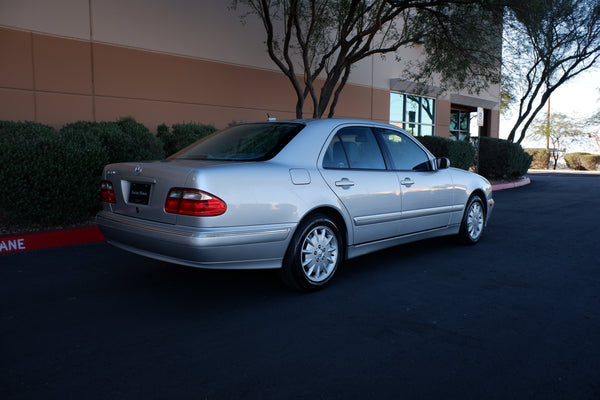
(249, 142)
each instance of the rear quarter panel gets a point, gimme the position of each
(258, 193)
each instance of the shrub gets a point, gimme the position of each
(117, 145)
(182, 135)
(541, 158)
(582, 161)
(501, 159)
(49, 177)
(143, 145)
(590, 162)
(52, 178)
(461, 154)
(124, 140)
(15, 129)
(161, 130)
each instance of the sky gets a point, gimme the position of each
(578, 98)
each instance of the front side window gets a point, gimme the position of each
(249, 142)
(405, 153)
(354, 147)
(415, 114)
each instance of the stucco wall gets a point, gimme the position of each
(161, 61)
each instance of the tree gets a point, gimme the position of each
(547, 43)
(315, 43)
(558, 131)
(507, 94)
(592, 124)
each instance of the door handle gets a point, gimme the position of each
(407, 182)
(345, 182)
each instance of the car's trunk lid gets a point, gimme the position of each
(142, 188)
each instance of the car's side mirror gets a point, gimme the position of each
(442, 163)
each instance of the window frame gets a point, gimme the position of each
(286, 132)
(374, 141)
(456, 133)
(410, 138)
(418, 123)
(383, 148)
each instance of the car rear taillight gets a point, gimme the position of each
(107, 192)
(193, 202)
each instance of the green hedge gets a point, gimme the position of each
(182, 135)
(52, 178)
(47, 177)
(501, 159)
(583, 161)
(541, 158)
(461, 154)
(124, 140)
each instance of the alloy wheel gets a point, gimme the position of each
(319, 253)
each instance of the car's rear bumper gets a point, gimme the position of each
(254, 247)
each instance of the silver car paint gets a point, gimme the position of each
(266, 201)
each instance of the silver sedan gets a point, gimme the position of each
(298, 196)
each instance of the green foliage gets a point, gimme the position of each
(124, 140)
(52, 178)
(541, 158)
(501, 159)
(461, 154)
(143, 144)
(49, 177)
(546, 44)
(507, 94)
(182, 135)
(583, 161)
(560, 128)
(116, 144)
(14, 129)
(162, 130)
(461, 42)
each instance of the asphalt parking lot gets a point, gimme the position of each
(515, 317)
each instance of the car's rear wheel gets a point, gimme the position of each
(314, 254)
(473, 222)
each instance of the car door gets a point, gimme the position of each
(427, 192)
(354, 168)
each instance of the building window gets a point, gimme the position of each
(460, 122)
(415, 114)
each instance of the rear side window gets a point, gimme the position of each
(355, 148)
(249, 142)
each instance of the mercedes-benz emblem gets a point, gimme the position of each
(138, 170)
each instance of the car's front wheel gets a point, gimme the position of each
(473, 222)
(314, 254)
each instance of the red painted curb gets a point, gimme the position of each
(44, 240)
(510, 185)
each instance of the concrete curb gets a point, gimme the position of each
(510, 185)
(562, 172)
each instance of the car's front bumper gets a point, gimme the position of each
(254, 247)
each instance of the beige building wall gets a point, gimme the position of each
(57, 80)
(161, 62)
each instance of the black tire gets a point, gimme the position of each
(314, 254)
(473, 221)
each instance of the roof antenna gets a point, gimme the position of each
(269, 118)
